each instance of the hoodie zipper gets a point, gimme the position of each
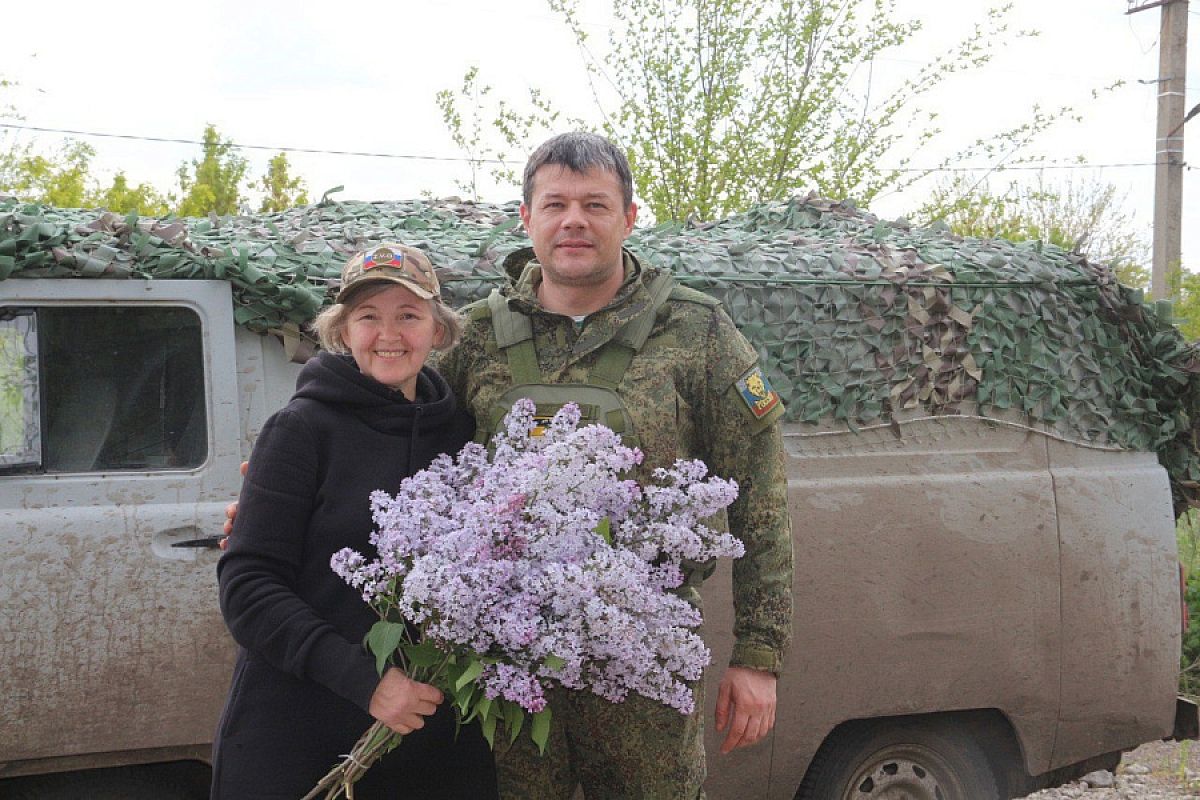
(412, 439)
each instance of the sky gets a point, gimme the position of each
(363, 76)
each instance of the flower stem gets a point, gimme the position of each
(339, 781)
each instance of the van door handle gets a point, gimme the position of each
(183, 543)
(212, 542)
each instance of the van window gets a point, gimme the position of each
(97, 389)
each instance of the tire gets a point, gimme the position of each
(899, 761)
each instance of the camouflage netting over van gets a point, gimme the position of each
(855, 317)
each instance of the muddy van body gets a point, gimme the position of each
(986, 588)
(139, 401)
(978, 604)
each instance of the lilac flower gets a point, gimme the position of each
(513, 684)
(547, 565)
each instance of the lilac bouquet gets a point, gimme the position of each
(540, 565)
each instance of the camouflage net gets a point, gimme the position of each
(855, 318)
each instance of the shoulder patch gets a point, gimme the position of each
(756, 392)
(693, 296)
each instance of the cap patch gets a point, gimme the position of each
(383, 257)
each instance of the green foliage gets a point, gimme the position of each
(1185, 292)
(280, 190)
(1188, 534)
(457, 675)
(59, 180)
(541, 729)
(472, 132)
(64, 179)
(212, 183)
(467, 136)
(383, 640)
(142, 199)
(724, 104)
(1081, 216)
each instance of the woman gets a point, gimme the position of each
(367, 412)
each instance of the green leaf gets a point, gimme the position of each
(540, 730)
(604, 529)
(488, 724)
(554, 662)
(383, 639)
(473, 671)
(463, 697)
(514, 719)
(424, 654)
(484, 708)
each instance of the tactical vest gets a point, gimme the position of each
(597, 398)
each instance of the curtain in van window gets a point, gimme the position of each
(20, 414)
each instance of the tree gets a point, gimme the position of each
(726, 103)
(1186, 294)
(59, 180)
(280, 190)
(1083, 216)
(142, 199)
(213, 183)
(468, 130)
(64, 179)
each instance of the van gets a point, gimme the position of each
(126, 407)
(985, 603)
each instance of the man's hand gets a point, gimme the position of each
(401, 703)
(231, 514)
(745, 707)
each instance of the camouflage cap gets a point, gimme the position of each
(392, 263)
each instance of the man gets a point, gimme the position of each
(666, 366)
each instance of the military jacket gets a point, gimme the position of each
(692, 391)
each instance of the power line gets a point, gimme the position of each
(1021, 167)
(364, 154)
(460, 159)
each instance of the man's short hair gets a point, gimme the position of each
(579, 151)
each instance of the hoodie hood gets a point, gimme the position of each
(334, 379)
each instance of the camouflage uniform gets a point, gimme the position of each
(689, 391)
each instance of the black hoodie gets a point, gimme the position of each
(303, 681)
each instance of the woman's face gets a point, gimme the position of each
(390, 334)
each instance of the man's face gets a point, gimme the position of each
(577, 222)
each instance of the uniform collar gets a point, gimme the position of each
(523, 293)
(631, 300)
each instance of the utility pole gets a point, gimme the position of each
(1168, 147)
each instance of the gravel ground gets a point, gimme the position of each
(1154, 771)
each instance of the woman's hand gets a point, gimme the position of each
(231, 514)
(401, 703)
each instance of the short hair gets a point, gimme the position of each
(330, 324)
(579, 151)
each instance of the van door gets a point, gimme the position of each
(119, 448)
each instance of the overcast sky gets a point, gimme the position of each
(362, 76)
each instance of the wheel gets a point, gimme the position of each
(899, 761)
